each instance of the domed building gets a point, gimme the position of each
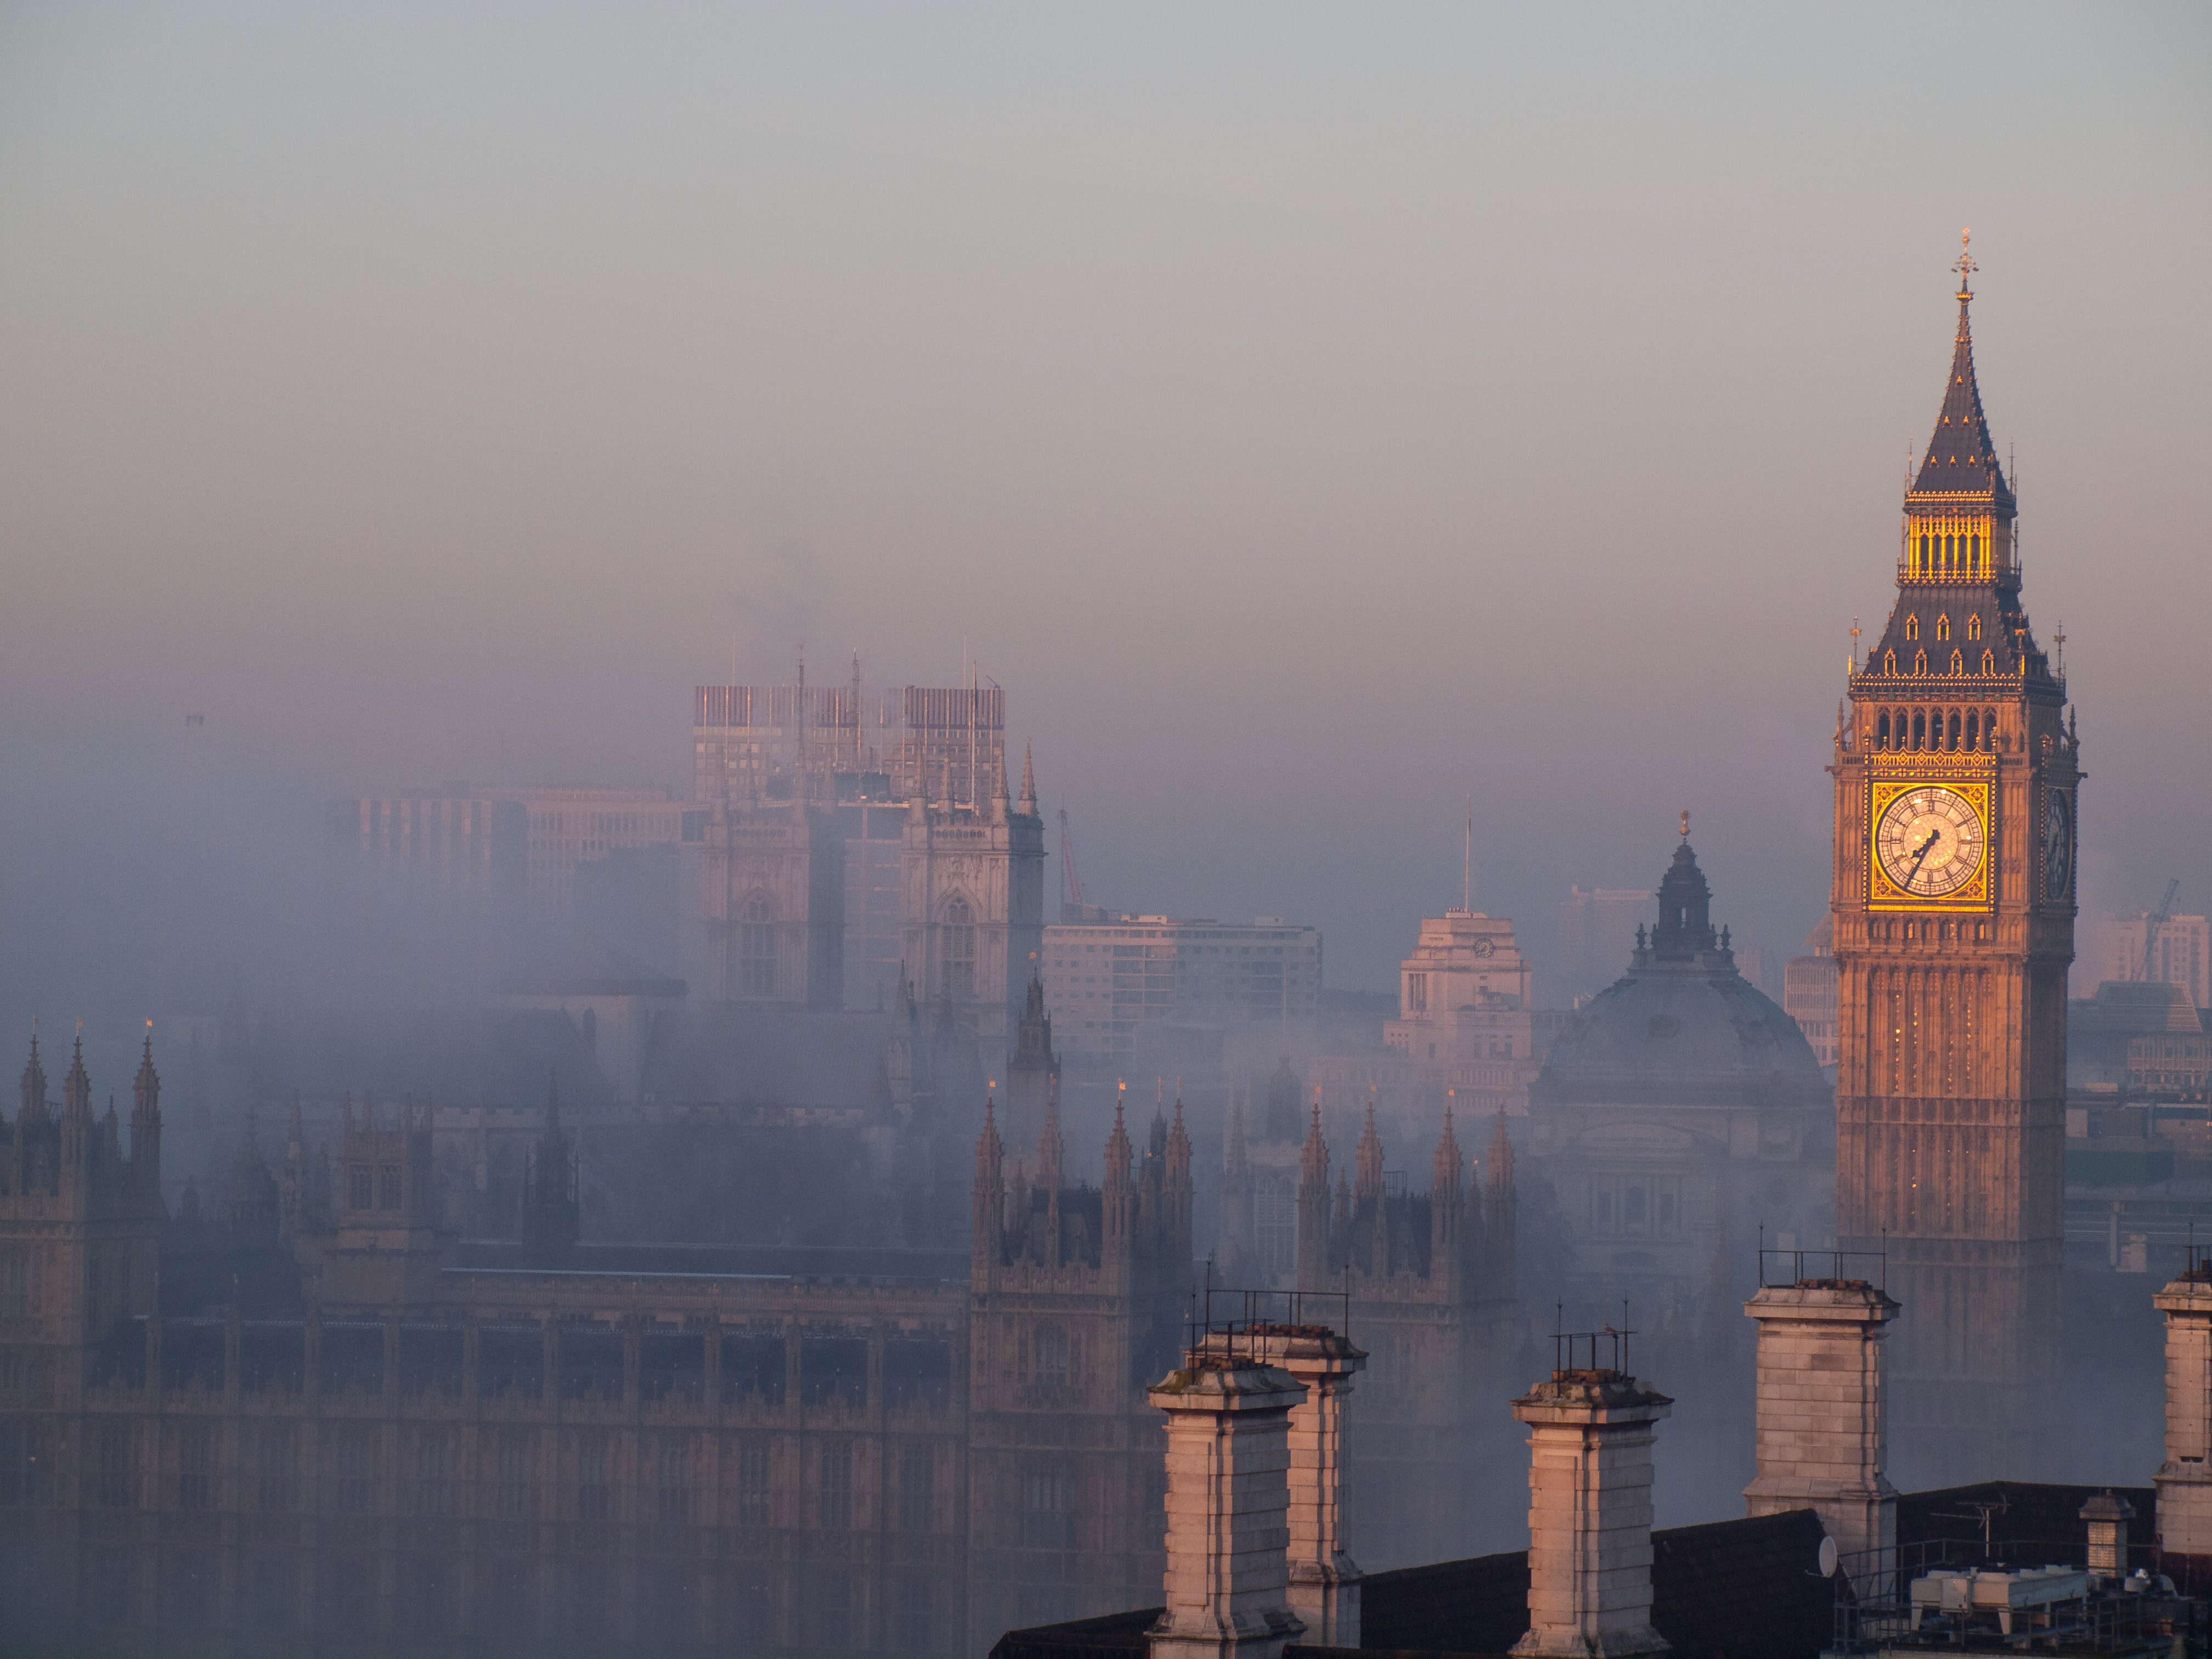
(1679, 1111)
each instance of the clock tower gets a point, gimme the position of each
(1956, 772)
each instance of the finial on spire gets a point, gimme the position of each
(1965, 264)
(1685, 813)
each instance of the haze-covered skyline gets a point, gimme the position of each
(1308, 417)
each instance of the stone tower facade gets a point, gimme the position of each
(772, 906)
(1077, 1298)
(1953, 905)
(972, 903)
(79, 1222)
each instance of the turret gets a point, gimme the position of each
(1176, 1195)
(1313, 1206)
(989, 1196)
(550, 1218)
(1118, 1199)
(1027, 805)
(146, 1126)
(1445, 1202)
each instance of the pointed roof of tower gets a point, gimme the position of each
(990, 1151)
(1233, 1157)
(1369, 1155)
(1027, 802)
(1961, 458)
(1500, 1155)
(1313, 1158)
(146, 1087)
(34, 1081)
(1052, 1150)
(1448, 1160)
(1118, 1150)
(76, 1087)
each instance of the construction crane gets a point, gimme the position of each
(1067, 859)
(2152, 921)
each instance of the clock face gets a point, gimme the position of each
(2058, 845)
(1929, 841)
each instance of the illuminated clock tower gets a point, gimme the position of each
(1956, 774)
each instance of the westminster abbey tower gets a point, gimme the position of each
(1956, 774)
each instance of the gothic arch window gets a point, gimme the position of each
(956, 950)
(1881, 730)
(1974, 729)
(756, 947)
(1889, 662)
(1951, 729)
(1958, 662)
(1974, 628)
(1989, 661)
(1053, 1359)
(1919, 729)
(1913, 627)
(1920, 662)
(1943, 625)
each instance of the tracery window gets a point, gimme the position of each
(1943, 625)
(1913, 628)
(757, 948)
(957, 946)
(1974, 628)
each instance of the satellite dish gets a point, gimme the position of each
(1827, 1558)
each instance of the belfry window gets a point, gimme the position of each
(1881, 730)
(1951, 740)
(1973, 730)
(1919, 729)
(757, 948)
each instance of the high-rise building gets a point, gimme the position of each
(2179, 951)
(497, 843)
(1597, 930)
(1953, 901)
(1104, 980)
(1808, 991)
(1464, 1008)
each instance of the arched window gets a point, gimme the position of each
(1881, 730)
(1050, 1348)
(1920, 662)
(1973, 730)
(1974, 628)
(756, 947)
(1958, 663)
(1951, 731)
(1989, 662)
(1889, 662)
(1919, 729)
(1913, 628)
(1943, 625)
(957, 936)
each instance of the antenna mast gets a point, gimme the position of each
(1466, 874)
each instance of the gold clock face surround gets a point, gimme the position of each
(1929, 843)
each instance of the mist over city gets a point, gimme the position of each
(1246, 832)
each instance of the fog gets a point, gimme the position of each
(1312, 419)
(1308, 420)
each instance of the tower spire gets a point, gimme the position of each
(1961, 458)
(1027, 805)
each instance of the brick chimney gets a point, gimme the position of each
(1229, 1460)
(1589, 1515)
(2183, 1483)
(1823, 1435)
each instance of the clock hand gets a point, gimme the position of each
(1926, 848)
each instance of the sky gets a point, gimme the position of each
(1311, 415)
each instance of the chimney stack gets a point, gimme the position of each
(1590, 1514)
(1823, 1436)
(1228, 1497)
(2184, 1484)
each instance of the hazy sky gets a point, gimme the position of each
(1307, 415)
